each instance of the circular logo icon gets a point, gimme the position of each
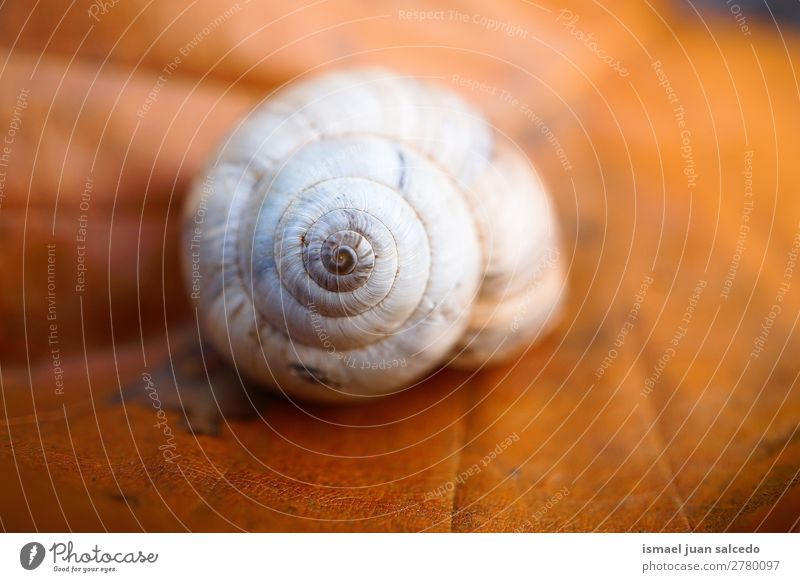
(31, 555)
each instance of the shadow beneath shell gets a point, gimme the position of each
(206, 392)
(198, 384)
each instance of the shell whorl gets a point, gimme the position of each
(338, 240)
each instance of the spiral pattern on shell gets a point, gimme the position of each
(343, 242)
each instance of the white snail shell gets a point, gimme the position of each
(362, 229)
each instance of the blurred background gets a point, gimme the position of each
(667, 400)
